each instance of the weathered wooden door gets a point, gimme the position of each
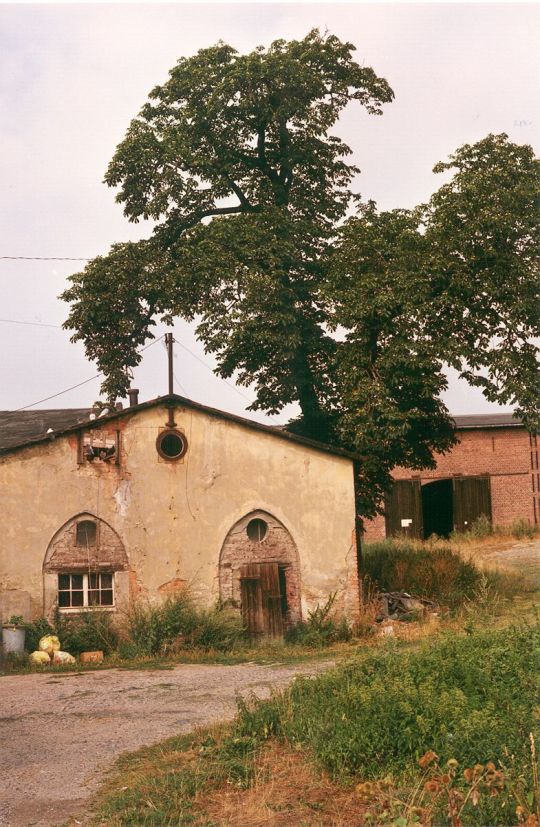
(261, 599)
(403, 509)
(472, 499)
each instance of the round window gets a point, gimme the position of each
(171, 445)
(256, 530)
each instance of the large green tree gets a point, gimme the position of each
(234, 161)
(297, 287)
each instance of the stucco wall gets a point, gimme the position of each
(173, 517)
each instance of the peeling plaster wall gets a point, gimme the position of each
(173, 517)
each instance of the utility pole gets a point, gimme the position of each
(169, 345)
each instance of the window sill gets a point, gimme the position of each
(73, 610)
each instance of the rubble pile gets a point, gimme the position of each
(402, 606)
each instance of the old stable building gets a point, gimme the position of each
(169, 494)
(492, 471)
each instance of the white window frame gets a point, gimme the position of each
(86, 607)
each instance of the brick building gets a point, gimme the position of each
(493, 470)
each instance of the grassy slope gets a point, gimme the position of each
(469, 697)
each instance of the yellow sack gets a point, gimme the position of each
(39, 657)
(49, 644)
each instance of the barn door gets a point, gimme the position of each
(472, 499)
(403, 509)
(262, 600)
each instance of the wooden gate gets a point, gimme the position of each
(472, 499)
(261, 599)
(403, 509)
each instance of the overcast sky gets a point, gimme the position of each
(72, 77)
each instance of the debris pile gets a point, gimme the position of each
(49, 651)
(402, 606)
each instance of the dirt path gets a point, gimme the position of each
(520, 556)
(59, 733)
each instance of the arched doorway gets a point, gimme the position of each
(259, 573)
(438, 508)
(85, 567)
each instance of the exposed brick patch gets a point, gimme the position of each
(173, 586)
(276, 547)
(64, 554)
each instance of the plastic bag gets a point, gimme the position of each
(49, 644)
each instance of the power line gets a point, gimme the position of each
(80, 384)
(185, 347)
(211, 369)
(42, 258)
(54, 395)
(34, 324)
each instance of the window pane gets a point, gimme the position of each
(106, 580)
(77, 598)
(93, 581)
(76, 581)
(93, 598)
(86, 533)
(63, 581)
(107, 597)
(63, 599)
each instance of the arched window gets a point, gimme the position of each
(86, 533)
(82, 565)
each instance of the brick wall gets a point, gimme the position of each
(276, 547)
(508, 455)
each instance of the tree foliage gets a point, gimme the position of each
(297, 287)
(243, 140)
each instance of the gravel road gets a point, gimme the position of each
(60, 732)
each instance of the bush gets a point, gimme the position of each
(35, 631)
(521, 529)
(321, 628)
(158, 629)
(86, 632)
(437, 572)
(481, 527)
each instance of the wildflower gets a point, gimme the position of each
(427, 758)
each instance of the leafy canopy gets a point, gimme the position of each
(242, 140)
(297, 287)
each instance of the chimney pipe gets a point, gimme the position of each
(118, 406)
(133, 394)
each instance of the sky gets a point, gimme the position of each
(73, 75)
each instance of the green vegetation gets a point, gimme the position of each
(35, 631)
(520, 528)
(433, 570)
(321, 628)
(86, 632)
(179, 624)
(409, 729)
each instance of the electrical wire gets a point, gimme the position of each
(80, 384)
(211, 369)
(42, 258)
(182, 345)
(34, 324)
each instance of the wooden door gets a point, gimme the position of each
(261, 599)
(472, 499)
(403, 509)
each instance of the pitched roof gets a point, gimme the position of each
(20, 427)
(490, 420)
(35, 424)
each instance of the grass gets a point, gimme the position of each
(354, 737)
(436, 570)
